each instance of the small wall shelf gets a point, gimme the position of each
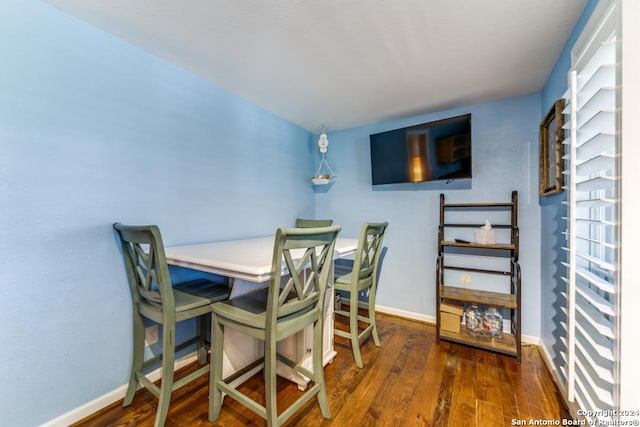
(322, 180)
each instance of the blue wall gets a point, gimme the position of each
(94, 131)
(552, 211)
(504, 152)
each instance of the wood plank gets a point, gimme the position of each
(445, 394)
(507, 394)
(494, 299)
(488, 414)
(505, 345)
(394, 397)
(424, 401)
(496, 246)
(373, 377)
(461, 225)
(486, 386)
(463, 398)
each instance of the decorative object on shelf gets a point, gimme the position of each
(323, 178)
(551, 150)
(485, 235)
(494, 321)
(451, 316)
(474, 322)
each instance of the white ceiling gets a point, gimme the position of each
(345, 63)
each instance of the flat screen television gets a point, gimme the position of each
(439, 150)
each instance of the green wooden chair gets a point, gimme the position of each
(156, 299)
(306, 223)
(294, 299)
(362, 277)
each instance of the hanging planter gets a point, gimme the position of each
(324, 175)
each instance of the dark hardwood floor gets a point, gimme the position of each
(409, 381)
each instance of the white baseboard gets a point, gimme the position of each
(530, 339)
(107, 399)
(548, 361)
(558, 381)
(403, 313)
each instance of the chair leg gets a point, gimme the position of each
(138, 357)
(202, 337)
(372, 317)
(215, 368)
(353, 329)
(166, 384)
(270, 381)
(318, 369)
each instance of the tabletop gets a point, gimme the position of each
(246, 259)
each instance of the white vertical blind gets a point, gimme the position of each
(593, 215)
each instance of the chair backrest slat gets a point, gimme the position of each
(365, 264)
(146, 265)
(307, 273)
(307, 223)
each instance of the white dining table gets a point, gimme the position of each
(245, 259)
(247, 262)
